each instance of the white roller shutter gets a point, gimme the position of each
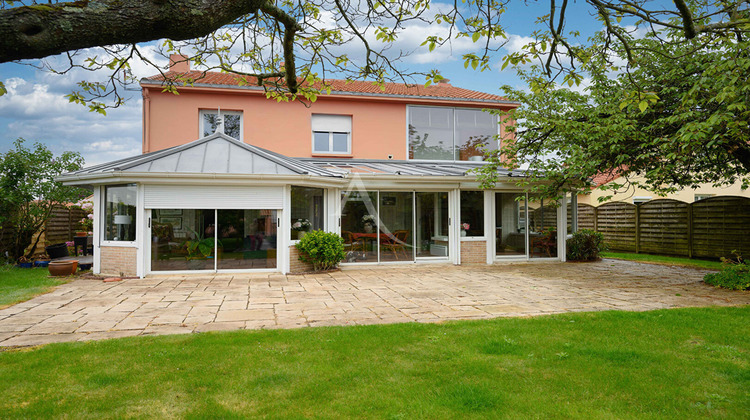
(332, 123)
(212, 197)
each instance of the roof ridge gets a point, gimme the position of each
(389, 88)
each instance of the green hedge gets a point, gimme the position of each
(324, 250)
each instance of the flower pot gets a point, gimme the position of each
(25, 265)
(79, 234)
(301, 234)
(63, 268)
(57, 251)
(368, 228)
(463, 233)
(41, 263)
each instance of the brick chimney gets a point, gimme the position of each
(179, 63)
(445, 82)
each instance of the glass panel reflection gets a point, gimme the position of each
(432, 224)
(542, 228)
(396, 226)
(182, 239)
(359, 224)
(510, 224)
(247, 239)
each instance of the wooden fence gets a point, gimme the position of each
(709, 228)
(61, 227)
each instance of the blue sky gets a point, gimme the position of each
(35, 107)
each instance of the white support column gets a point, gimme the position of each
(98, 221)
(284, 231)
(142, 232)
(489, 224)
(454, 232)
(562, 229)
(333, 210)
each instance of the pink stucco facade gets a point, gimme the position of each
(378, 123)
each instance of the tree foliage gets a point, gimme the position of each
(675, 116)
(28, 193)
(667, 95)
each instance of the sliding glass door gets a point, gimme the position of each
(394, 226)
(510, 224)
(247, 239)
(359, 226)
(196, 239)
(432, 225)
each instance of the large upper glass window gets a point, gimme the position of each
(211, 119)
(307, 210)
(332, 134)
(451, 133)
(120, 212)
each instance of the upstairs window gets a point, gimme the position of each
(437, 133)
(211, 119)
(331, 134)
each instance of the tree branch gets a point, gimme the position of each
(39, 31)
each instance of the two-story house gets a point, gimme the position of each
(389, 169)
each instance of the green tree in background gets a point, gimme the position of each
(28, 193)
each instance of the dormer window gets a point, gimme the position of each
(443, 133)
(331, 134)
(211, 121)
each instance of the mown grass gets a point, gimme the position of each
(21, 284)
(681, 363)
(660, 259)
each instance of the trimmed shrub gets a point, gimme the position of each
(324, 250)
(734, 275)
(585, 245)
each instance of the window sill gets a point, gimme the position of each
(336, 155)
(122, 244)
(473, 238)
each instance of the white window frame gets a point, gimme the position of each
(103, 222)
(330, 137)
(201, 121)
(454, 108)
(330, 143)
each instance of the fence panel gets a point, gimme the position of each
(586, 215)
(709, 228)
(63, 224)
(663, 227)
(617, 222)
(720, 226)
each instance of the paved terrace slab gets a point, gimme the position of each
(88, 309)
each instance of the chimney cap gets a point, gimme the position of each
(179, 63)
(445, 81)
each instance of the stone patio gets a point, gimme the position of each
(87, 309)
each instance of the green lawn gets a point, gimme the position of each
(681, 363)
(20, 284)
(660, 259)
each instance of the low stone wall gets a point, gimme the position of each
(117, 259)
(473, 252)
(295, 265)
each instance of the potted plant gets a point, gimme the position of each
(464, 228)
(198, 249)
(86, 224)
(301, 226)
(369, 221)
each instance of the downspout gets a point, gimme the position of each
(146, 145)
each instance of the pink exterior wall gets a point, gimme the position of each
(378, 124)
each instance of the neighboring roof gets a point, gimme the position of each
(442, 91)
(605, 177)
(214, 154)
(401, 167)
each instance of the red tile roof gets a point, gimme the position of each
(438, 90)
